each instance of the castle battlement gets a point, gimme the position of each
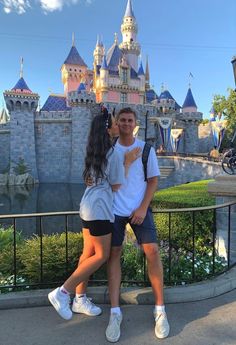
(81, 97)
(52, 115)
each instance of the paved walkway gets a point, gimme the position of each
(208, 322)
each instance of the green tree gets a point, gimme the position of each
(227, 107)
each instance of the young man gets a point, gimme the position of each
(131, 205)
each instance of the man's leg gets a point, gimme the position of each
(114, 276)
(114, 279)
(155, 271)
(147, 237)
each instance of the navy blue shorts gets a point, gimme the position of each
(145, 232)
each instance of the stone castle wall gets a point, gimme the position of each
(205, 137)
(59, 138)
(4, 146)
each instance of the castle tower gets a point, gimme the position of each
(189, 105)
(98, 53)
(141, 75)
(83, 108)
(129, 30)
(104, 76)
(147, 76)
(22, 103)
(73, 70)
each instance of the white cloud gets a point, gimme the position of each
(51, 5)
(18, 6)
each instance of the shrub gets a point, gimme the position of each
(21, 167)
(7, 251)
(54, 257)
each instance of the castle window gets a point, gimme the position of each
(66, 130)
(123, 97)
(39, 130)
(124, 75)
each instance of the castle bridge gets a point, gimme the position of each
(176, 170)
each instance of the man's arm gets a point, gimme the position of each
(139, 214)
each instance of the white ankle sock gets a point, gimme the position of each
(159, 308)
(80, 295)
(64, 291)
(116, 310)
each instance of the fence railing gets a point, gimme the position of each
(191, 244)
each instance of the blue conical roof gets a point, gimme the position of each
(104, 63)
(114, 55)
(189, 100)
(21, 85)
(141, 71)
(167, 95)
(129, 9)
(81, 87)
(74, 58)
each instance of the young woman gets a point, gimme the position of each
(105, 166)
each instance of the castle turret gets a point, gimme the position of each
(189, 105)
(22, 103)
(73, 70)
(98, 53)
(141, 76)
(147, 76)
(129, 30)
(104, 76)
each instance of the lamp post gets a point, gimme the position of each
(234, 68)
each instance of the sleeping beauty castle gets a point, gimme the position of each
(51, 140)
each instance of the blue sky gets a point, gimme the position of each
(197, 36)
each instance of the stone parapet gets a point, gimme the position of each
(224, 185)
(224, 189)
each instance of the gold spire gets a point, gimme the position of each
(21, 67)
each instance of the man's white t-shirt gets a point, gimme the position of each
(129, 197)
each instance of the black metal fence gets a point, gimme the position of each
(189, 245)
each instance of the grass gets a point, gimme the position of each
(192, 194)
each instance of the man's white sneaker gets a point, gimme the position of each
(61, 302)
(162, 327)
(84, 305)
(113, 328)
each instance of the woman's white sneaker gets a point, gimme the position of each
(113, 328)
(84, 305)
(162, 327)
(61, 302)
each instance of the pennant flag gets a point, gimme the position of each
(218, 131)
(165, 128)
(176, 135)
(212, 114)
